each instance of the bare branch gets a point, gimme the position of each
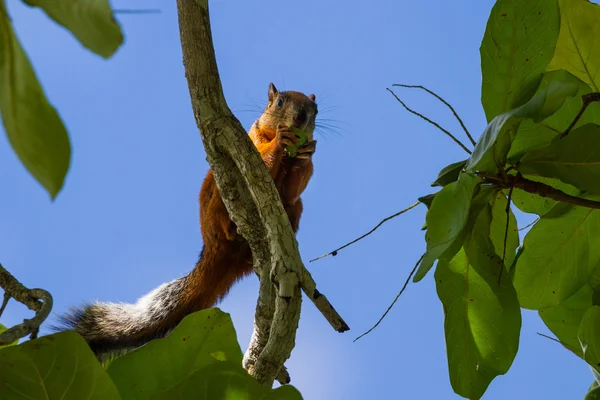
(250, 198)
(529, 224)
(335, 252)
(395, 300)
(507, 210)
(31, 298)
(587, 100)
(544, 190)
(446, 103)
(431, 122)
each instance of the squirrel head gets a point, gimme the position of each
(290, 109)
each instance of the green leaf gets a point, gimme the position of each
(482, 316)
(32, 125)
(559, 256)
(574, 159)
(164, 363)
(498, 229)
(517, 47)
(593, 392)
(449, 173)
(91, 22)
(225, 381)
(59, 366)
(564, 319)
(445, 219)
(2, 330)
(491, 151)
(535, 204)
(577, 48)
(293, 150)
(534, 135)
(589, 336)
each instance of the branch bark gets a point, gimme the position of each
(252, 202)
(37, 300)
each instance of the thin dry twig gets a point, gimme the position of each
(430, 121)
(529, 224)
(335, 252)
(37, 300)
(395, 300)
(431, 92)
(566, 346)
(587, 100)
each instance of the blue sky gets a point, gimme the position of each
(127, 219)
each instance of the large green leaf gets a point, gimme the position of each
(201, 339)
(560, 253)
(574, 159)
(90, 21)
(498, 229)
(564, 319)
(577, 47)
(482, 315)
(33, 126)
(517, 47)
(449, 173)
(533, 135)
(589, 336)
(593, 392)
(59, 366)
(492, 148)
(446, 218)
(536, 204)
(225, 381)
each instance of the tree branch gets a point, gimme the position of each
(544, 190)
(431, 122)
(251, 199)
(37, 300)
(334, 253)
(460, 121)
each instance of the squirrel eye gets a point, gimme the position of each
(279, 102)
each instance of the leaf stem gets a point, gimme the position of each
(587, 100)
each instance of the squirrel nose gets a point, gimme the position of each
(300, 117)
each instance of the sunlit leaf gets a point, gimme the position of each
(482, 316)
(90, 21)
(59, 366)
(533, 135)
(492, 148)
(225, 381)
(517, 47)
(34, 129)
(560, 254)
(577, 45)
(164, 363)
(589, 336)
(445, 219)
(574, 159)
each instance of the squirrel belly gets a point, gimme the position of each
(113, 328)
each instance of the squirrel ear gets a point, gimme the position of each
(312, 97)
(272, 91)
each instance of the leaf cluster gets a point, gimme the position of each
(540, 152)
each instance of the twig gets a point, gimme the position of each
(529, 224)
(395, 300)
(443, 101)
(334, 252)
(31, 298)
(510, 192)
(566, 346)
(587, 100)
(430, 121)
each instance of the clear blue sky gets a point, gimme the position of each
(127, 219)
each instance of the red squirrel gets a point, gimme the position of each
(111, 328)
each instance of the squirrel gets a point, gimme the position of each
(115, 328)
